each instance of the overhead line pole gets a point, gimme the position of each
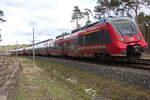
(17, 48)
(33, 46)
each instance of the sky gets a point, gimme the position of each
(48, 17)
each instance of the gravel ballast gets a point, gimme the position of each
(127, 75)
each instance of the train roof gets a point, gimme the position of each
(117, 19)
(43, 41)
(109, 19)
(40, 42)
(87, 26)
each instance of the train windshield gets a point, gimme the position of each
(125, 27)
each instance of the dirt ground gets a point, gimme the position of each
(23, 79)
(32, 83)
(9, 69)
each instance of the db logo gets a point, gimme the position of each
(131, 39)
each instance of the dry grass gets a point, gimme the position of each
(4, 48)
(67, 83)
(35, 84)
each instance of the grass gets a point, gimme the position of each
(4, 48)
(35, 84)
(67, 83)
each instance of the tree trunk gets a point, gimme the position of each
(77, 23)
(136, 11)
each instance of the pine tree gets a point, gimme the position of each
(87, 13)
(104, 8)
(1, 15)
(77, 15)
(120, 7)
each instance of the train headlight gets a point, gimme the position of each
(123, 52)
(121, 38)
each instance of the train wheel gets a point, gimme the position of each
(106, 58)
(109, 58)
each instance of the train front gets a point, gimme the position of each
(130, 40)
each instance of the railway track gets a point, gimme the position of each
(141, 64)
(136, 66)
(143, 61)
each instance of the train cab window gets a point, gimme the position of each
(125, 27)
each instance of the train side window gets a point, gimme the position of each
(93, 38)
(101, 36)
(84, 41)
(65, 45)
(97, 37)
(76, 40)
(81, 40)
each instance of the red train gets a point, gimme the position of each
(106, 39)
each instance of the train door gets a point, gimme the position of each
(62, 48)
(46, 48)
(102, 46)
(75, 46)
(49, 47)
(105, 39)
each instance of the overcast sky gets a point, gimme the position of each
(49, 17)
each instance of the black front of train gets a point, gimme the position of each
(134, 51)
